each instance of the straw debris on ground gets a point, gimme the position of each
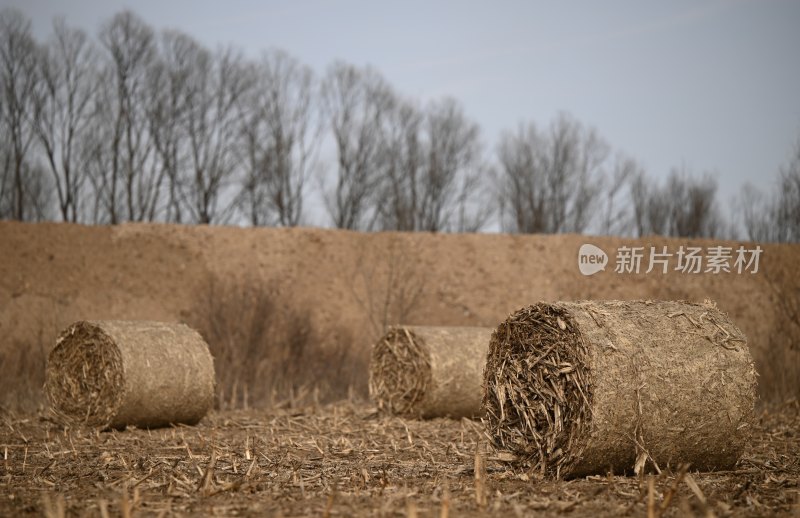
(348, 460)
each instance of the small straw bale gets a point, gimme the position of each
(579, 388)
(110, 374)
(429, 372)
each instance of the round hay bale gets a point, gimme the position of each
(577, 388)
(111, 374)
(429, 371)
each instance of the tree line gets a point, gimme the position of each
(136, 125)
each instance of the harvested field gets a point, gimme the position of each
(346, 459)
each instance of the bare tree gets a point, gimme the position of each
(402, 157)
(775, 216)
(99, 152)
(474, 204)
(757, 213)
(550, 182)
(788, 206)
(63, 110)
(6, 171)
(453, 164)
(651, 208)
(685, 206)
(130, 47)
(356, 102)
(615, 216)
(19, 81)
(694, 212)
(168, 82)
(95, 152)
(282, 134)
(521, 189)
(574, 181)
(431, 167)
(216, 90)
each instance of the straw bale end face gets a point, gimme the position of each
(400, 372)
(110, 374)
(576, 388)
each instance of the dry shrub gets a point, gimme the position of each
(23, 361)
(778, 363)
(23, 365)
(267, 350)
(388, 284)
(577, 388)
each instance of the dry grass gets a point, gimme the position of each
(347, 460)
(267, 350)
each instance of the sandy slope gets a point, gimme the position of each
(53, 274)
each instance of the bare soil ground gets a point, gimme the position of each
(347, 460)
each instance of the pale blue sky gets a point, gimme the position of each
(711, 85)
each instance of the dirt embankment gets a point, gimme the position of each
(54, 274)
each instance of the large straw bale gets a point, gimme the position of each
(576, 388)
(119, 373)
(429, 371)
